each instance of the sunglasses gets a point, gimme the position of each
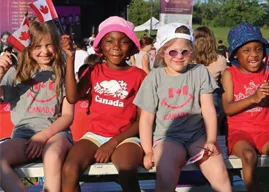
(174, 53)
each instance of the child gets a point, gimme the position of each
(113, 119)
(36, 92)
(245, 99)
(207, 54)
(142, 59)
(177, 98)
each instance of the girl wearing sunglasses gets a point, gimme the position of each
(176, 102)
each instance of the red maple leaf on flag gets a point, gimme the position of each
(24, 35)
(44, 9)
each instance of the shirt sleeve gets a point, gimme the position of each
(147, 98)
(8, 85)
(208, 84)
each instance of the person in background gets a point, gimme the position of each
(112, 128)
(208, 55)
(4, 43)
(223, 50)
(90, 48)
(176, 102)
(246, 100)
(142, 59)
(39, 110)
(80, 55)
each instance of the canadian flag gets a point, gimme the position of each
(44, 9)
(21, 37)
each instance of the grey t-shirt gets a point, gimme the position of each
(34, 105)
(175, 100)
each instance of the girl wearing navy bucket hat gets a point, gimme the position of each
(112, 128)
(245, 99)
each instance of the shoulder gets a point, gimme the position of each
(137, 71)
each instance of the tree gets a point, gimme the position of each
(140, 11)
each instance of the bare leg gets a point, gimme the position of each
(169, 158)
(10, 181)
(126, 158)
(54, 154)
(249, 158)
(265, 149)
(213, 168)
(80, 156)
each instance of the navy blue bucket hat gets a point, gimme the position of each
(242, 34)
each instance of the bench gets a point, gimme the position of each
(231, 162)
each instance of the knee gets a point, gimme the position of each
(70, 170)
(166, 174)
(250, 157)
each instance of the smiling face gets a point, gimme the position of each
(250, 57)
(116, 46)
(176, 65)
(44, 52)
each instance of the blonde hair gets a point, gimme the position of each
(27, 66)
(205, 46)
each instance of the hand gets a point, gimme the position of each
(149, 160)
(261, 93)
(68, 47)
(36, 145)
(104, 153)
(5, 64)
(212, 149)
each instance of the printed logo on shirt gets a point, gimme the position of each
(113, 88)
(33, 94)
(249, 90)
(184, 93)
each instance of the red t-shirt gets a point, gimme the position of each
(255, 119)
(112, 110)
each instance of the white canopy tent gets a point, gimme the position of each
(146, 26)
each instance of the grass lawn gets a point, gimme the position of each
(220, 33)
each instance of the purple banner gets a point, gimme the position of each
(12, 13)
(176, 6)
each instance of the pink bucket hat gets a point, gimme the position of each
(116, 23)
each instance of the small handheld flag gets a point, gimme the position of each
(44, 9)
(20, 39)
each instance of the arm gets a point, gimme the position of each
(74, 92)
(209, 116)
(145, 130)
(232, 107)
(5, 64)
(210, 120)
(62, 122)
(38, 141)
(145, 63)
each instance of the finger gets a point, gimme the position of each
(29, 148)
(36, 152)
(32, 152)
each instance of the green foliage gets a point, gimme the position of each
(231, 12)
(140, 11)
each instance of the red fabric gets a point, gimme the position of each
(257, 139)
(78, 127)
(81, 120)
(6, 125)
(255, 119)
(113, 92)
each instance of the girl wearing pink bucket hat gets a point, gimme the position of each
(112, 128)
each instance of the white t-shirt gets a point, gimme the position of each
(80, 57)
